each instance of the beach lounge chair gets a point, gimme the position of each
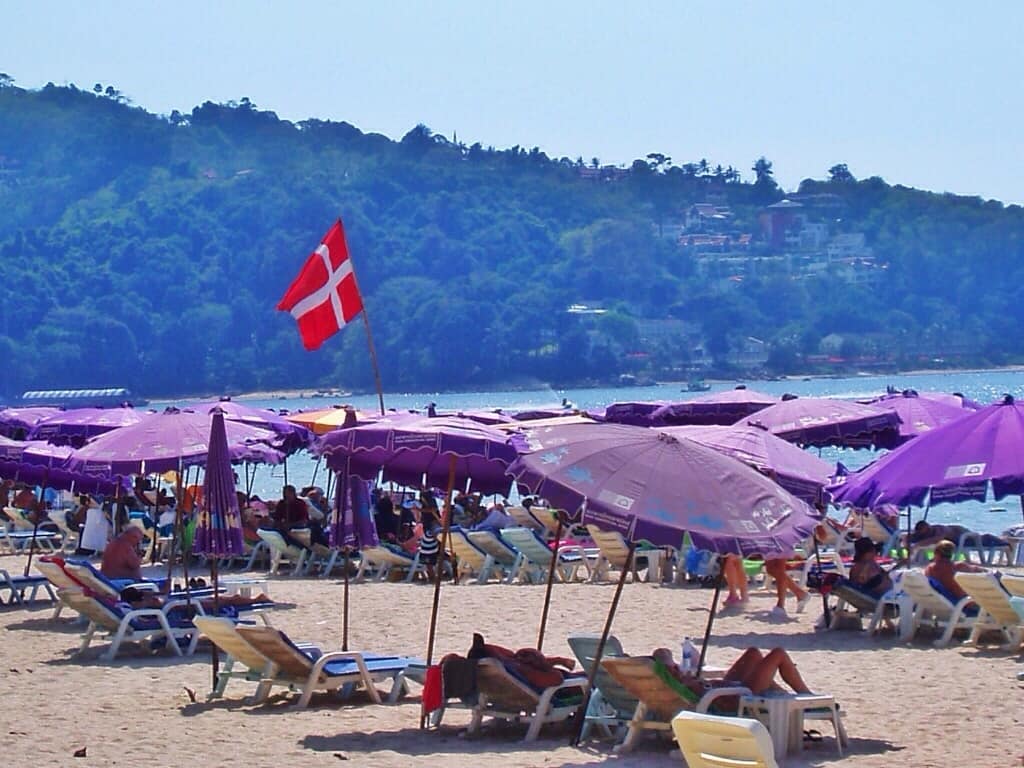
(471, 560)
(932, 608)
(997, 613)
(283, 553)
(318, 556)
(306, 671)
(504, 554)
(537, 555)
(524, 518)
(1013, 584)
(878, 609)
(988, 549)
(69, 538)
(709, 741)
(55, 574)
(611, 706)
(503, 696)
(18, 585)
(122, 626)
(661, 696)
(614, 551)
(383, 558)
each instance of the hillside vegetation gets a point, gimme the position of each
(149, 251)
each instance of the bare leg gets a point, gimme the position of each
(744, 666)
(777, 660)
(784, 583)
(735, 578)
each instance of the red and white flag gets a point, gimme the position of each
(324, 297)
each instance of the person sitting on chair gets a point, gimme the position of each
(942, 571)
(753, 670)
(121, 558)
(865, 573)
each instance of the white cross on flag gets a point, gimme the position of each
(324, 297)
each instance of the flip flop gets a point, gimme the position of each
(812, 735)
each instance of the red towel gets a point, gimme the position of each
(433, 696)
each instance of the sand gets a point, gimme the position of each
(906, 704)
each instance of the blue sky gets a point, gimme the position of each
(925, 94)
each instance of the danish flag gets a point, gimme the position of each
(324, 297)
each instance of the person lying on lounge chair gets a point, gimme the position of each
(865, 573)
(137, 598)
(753, 669)
(942, 572)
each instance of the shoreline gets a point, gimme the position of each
(297, 393)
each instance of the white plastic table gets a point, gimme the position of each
(785, 715)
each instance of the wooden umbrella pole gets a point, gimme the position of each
(344, 632)
(214, 653)
(340, 528)
(36, 517)
(373, 359)
(316, 469)
(285, 465)
(592, 675)
(547, 591)
(711, 619)
(178, 494)
(445, 528)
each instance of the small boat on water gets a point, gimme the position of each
(697, 385)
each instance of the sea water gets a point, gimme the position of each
(982, 386)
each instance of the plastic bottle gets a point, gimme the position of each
(689, 655)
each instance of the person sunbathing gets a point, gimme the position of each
(121, 558)
(865, 573)
(753, 670)
(942, 570)
(137, 598)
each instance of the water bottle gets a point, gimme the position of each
(689, 655)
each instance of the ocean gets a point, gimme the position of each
(983, 386)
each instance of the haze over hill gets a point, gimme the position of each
(149, 251)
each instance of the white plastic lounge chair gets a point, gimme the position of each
(291, 665)
(19, 585)
(472, 561)
(58, 579)
(504, 554)
(993, 552)
(121, 626)
(997, 614)
(69, 538)
(524, 518)
(383, 558)
(1014, 585)
(933, 609)
(661, 697)
(878, 609)
(614, 552)
(537, 556)
(318, 556)
(611, 706)
(282, 553)
(503, 696)
(709, 741)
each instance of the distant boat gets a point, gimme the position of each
(697, 385)
(81, 398)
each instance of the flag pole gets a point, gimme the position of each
(373, 359)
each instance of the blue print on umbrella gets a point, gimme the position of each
(579, 475)
(657, 510)
(707, 522)
(553, 457)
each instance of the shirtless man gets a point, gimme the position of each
(121, 558)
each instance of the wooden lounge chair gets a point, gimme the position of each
(537, 556)
(934, 609)
(383, 558)
(996, 614)
(524, 518)
(503, 696)
(502, 553)
(661, 697)
(1014, 585)
(611, 706)
(708, 741)
(471, 560)
(291, 665)
(283, 553)
(144, 625)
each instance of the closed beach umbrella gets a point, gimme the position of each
(352, 528)
(219, 523)
(821, 421)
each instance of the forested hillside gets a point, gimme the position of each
(149, 251)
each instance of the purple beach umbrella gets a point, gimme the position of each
(821, 421)
(653, 487)
(165, 441)
(638, 414)
(799, 472)
(18, 422)
(80, 424)
(352, 528)
(292, 437)
(722, 408)
(958, 461)
(919, 414)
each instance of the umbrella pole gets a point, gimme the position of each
(547, 591)
(445, 526)
(35, 522)
(711, 620)
(316, 469)
(184, 555)
(344, 625)
(214, 654)
(581, 718)
(285, 465)
(824, 595)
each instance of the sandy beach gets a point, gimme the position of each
(906, 704)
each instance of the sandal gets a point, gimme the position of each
(812, 735)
